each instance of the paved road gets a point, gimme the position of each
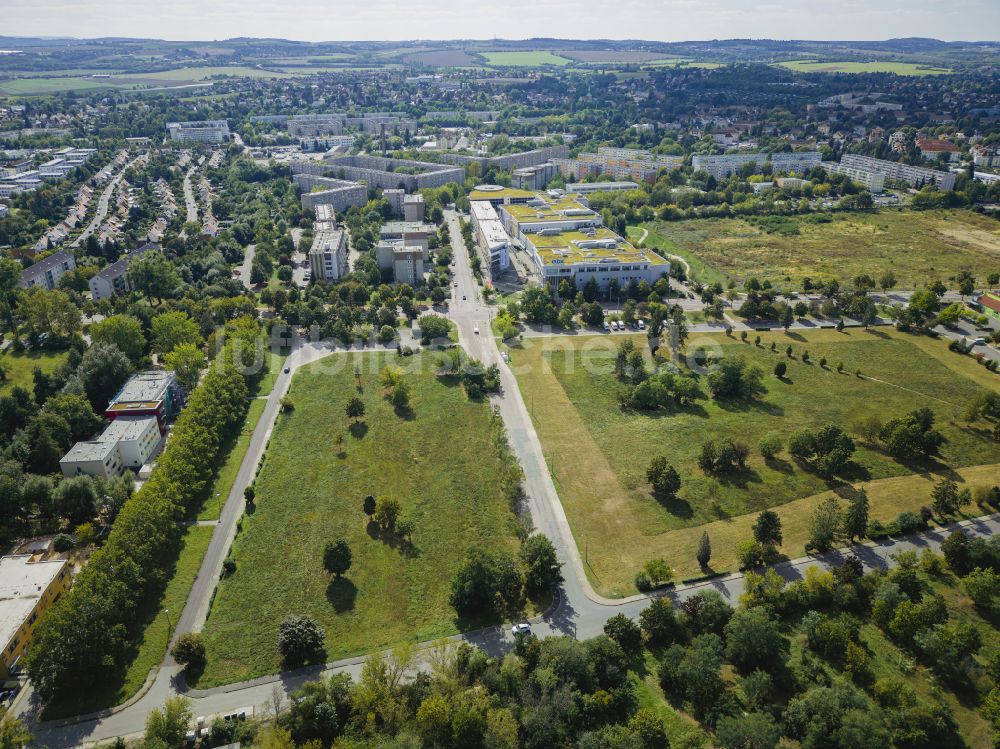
(190, 202)
(243, 270)
(578, 610)
(103, 203)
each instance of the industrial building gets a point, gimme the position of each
(203, 131)
(722, 166)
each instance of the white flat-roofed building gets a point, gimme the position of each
(137, 437)
(491, 235)
(328, 254)
(92, 458)
(47, 271)
(582, 188)
(916, 176)
(27, 589)
(874, 181)
(722, 166)
(204, 131)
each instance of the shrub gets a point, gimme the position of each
(643, 583)
(910, 522)
(780, 369)
(300, 640)
(189, 650)
(751, 553)
(63, 542)
(770, 445)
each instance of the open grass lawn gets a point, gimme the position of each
(36, 84)
(231, 457)
(899, 68)
(599, 454)
(529, 58)
(439, 461)
(153, 645)
(20, 366)
(915, 245)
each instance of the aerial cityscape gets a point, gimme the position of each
(498, 393)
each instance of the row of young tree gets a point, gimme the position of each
(88, 635)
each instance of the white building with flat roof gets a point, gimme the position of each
(491, 235)
(916, 176)
(722, 166)
(874, 181)
(328, 253)
(92, 458)
(127, 442)
(27, 588)
(204, 131)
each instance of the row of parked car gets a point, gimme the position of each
(611, 325)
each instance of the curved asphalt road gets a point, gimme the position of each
(577, 611)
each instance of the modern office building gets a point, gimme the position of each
(27, 589)
(490, 235)
(621, 163)
(113, 279)
(153, 392)
(874, 181)
(565, 239)
(47, 271)
(127, 442)
(328, 252)
(722, 166)
(916, 176)
(203, 131)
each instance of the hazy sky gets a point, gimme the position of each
(666, 20)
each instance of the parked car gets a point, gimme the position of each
(523, 628)
(642, 325)
(607, 325)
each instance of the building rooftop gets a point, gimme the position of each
(22, 583)
(580, 187)
(89, 451)
(496, 192)
(593, 247)
(121, 265)
(146, 388)
(54, 260)
(126, 428)
(550, 209)
(406, 227)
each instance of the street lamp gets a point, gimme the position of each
(170, 627)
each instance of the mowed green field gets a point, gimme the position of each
(917, 246)
(899, 68)
(19, 367)
(439, 461)
(528, 59)
(599, 454)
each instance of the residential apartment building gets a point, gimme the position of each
(127, 442)
(621, 163)
(490, 235)
(406, 261)
(27, 589)
(722, 166)
(203, 131)
(916, 176)
(381, 172)
(983, 155)
(414, 207)
(535, 177)
(934, 149)
(412, 232)
(874, 181)
(47, 271)
(113, 279)
(338, 193)
(328, 252)
(582, 188)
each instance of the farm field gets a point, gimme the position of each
(316, 472)
(917, 246)
(33, 85)
(598, 454)
(617, 56)
(899, 68)
(155, 637)
(528, 59)
(20, 367)
(444, 58)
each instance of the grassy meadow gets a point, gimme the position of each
(438, 460)
(598, 454)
